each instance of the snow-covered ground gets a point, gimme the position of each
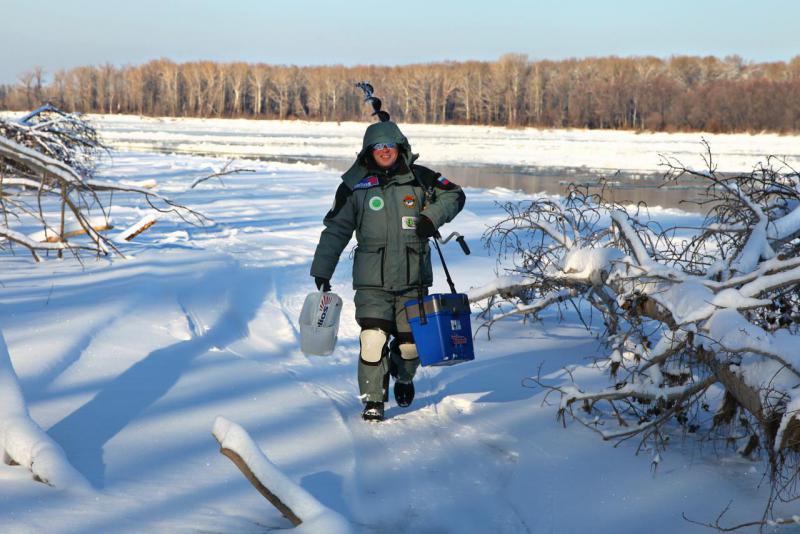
(128, 363)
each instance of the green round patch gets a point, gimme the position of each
(376, 203)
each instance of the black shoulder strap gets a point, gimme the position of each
(432, 179)
(426, 177)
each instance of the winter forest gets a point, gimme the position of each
(642, 93)
(636, 365)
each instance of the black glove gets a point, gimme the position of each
(425, 227)
(323, 284)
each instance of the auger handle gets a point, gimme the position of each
(463, 243)
(460, 238)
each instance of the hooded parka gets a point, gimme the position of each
(381, 207)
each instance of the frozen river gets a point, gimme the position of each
(529, 160)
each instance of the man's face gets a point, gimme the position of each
(385, 154)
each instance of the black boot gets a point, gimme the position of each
(373, 411)
(404, 393)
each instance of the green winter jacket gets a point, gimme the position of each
(381, 206)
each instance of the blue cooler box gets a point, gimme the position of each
(447, 337)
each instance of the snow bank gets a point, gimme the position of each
(315, 516)
(24, 441)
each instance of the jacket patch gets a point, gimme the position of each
(367, 183)
(408, 223)
(410, 201)
(376, 203)
(444, 183)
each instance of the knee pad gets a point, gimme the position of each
(408, 351)
(372, 342)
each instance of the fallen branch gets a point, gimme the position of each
(716, 525)
(290, 499)
(682, 308)
(45, 160)
(535, 306)
(51, 236)
(143, 224)
(506, 286)
(225, 171)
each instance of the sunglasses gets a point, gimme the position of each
(381, 146)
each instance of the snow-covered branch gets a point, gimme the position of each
(23, 441)
(639, 390)
(535, 306)
(720, 306)
(47, 162)
(630, 237)
(504, 285)
(294, 502)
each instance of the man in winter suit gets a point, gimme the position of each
(393, 206)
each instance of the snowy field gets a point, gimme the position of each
(128, 363)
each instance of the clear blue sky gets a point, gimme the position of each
(58, 34)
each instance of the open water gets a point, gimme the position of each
(650, 189)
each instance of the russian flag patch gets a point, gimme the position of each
(366, 183)
(444, 181)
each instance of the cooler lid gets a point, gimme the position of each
(454, 303)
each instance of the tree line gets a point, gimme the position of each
(641, 93)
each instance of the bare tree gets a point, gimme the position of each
(237, 77)
(687, 93)
(26, 79)
(258, 81)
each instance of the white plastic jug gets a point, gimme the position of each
(319, 323)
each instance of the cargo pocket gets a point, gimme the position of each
(412, 266)
(368, 267)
